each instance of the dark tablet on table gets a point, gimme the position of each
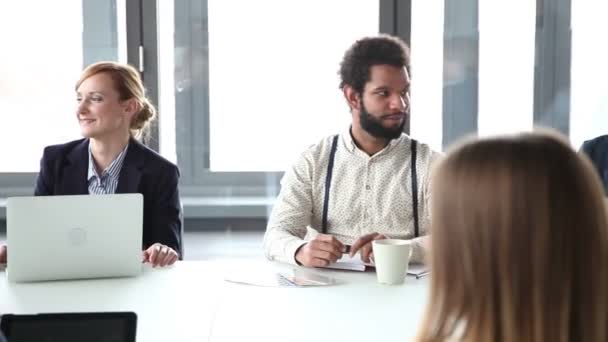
(68, 327)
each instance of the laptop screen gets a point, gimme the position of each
(93, 327)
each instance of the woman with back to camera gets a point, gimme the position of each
(519, 244)
(113, 113)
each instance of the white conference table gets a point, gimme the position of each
(190, 301)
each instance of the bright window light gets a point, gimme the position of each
(38, 70)
(589, 71)
(506, 66)
(273, 77)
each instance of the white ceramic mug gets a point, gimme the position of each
(391, 257)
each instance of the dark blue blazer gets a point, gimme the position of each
(64, 169)
(597, 150)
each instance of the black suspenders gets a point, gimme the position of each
(330, 169)
(413, 147)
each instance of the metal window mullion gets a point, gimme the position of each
(396, 20)
(142, 47)
(200, 117)
(552, 64)
(461, 50)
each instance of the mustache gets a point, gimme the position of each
(394, 115)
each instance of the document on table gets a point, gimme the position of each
(418, 270)
(288, 278)
(356, 264)
(352, 264)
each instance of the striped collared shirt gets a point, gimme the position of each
(107, 182)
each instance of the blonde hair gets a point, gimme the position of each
(519, 244)
(129, 85)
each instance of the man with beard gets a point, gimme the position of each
(370, 182)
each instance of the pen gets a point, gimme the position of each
(346, 249)
(420, 275)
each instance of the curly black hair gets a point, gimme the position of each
(370, 51)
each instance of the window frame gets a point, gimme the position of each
(196, 177)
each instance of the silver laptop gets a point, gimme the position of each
(74, 237)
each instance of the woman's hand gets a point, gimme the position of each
(3, 254)
(160, 255)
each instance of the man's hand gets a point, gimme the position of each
(320, 252)
(364, 244)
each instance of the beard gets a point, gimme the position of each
(374, 127)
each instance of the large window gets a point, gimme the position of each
(506, 66)
(38, 70)
(473, 69)
(482, 68)
(273, 83)
(264, 77)
(243, 87)
(427, 71)
(589, 114)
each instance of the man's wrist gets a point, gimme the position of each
(295, 255)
